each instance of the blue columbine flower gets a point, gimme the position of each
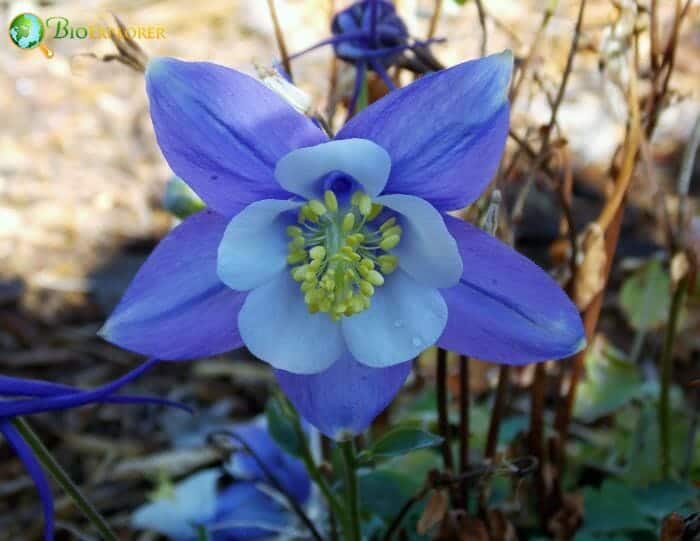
(370, 35)
(19, 397)
(238, 504)
(335, 261)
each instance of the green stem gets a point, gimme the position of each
(353, 501)
(48, 461)
(315, 474)
(203, 534)
(666, 374)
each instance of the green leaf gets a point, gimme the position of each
(283, 425)
(660, 499)
(363, 98)
(384, 492)
(179, 199)
(612, 509)
(611, 382)
(645, 296)
(401, 441)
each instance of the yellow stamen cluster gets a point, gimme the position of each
(338, 256)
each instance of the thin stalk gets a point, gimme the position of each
(537, 435)
(499, 406)
(49, 463)
(317, 477)
(443, 419)
(279, 36)
(666, 374)
(482, 22)
(464, 399)
(432, 27)
(692, 436)
(203, 534)
(497, 412)
(353, 533)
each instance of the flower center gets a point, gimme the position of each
(339, 255)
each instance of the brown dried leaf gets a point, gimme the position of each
(500, 527)
(672, 528)
(590, 273)
(680, 266)
(568, 518)
(434, 511)
(458, 526)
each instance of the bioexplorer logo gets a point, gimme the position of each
(27, 31)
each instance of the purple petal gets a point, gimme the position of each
(245, 513)
(222, 132)
(346, 398)
(177, 307)
(445, 133)
(288, 471)
(505, 308)
(35, 471)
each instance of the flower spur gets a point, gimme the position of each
(21, 397)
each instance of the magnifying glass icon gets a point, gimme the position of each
(27, 32)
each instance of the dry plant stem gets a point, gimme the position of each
(565, 196)
(50, 464)
(565, 78)
(664, 412)
(531, 53)
(435, 481)
(590, 321)
(437, 10)
(661, 77)
(537, 446)
(443, 418)
(632, 143)
(332, 76)
(497, 412)
(464, 400)
(279, 36)
(544, 151)
(653, 37)
(482, 22)
(687, 164)
(499, 409)
(609, 220)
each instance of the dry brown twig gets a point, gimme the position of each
(279, 36)
(129, 52)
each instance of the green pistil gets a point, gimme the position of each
(336, 255)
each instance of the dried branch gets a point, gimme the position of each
(437, 11)
(279, 36)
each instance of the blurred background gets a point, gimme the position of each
(82, 179)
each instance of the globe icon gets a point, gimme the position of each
(26, 31)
